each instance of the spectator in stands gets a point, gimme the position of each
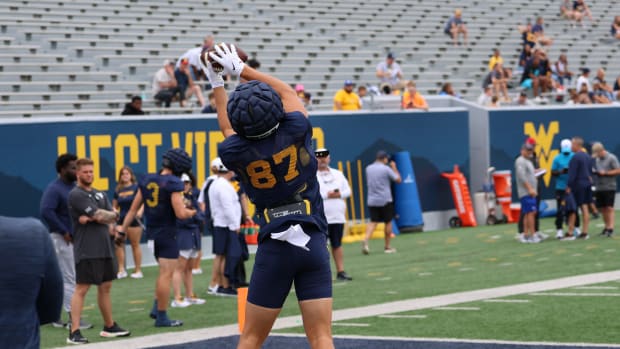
(31, 292)
(566, 10)
(300, 89)
(581, 10)
(210, 108)
(346, 99)
(412, 99)
(608, 90)
(494, 102)
(584, 79)
(615, 28)
(307, 101)
(495, 58)
(584, 96)
(485, 97)
(389, 72)
(456, 26)
(164, 84)
(362, 91)
(529, 39)
(498, 81)
(193, 57)
(599, 95)
(447, 90)
(617, 88)
(523, 101)
(537, 75)
(525, 56)
(560, 70)
(134, 107)
(573, 97)
(186, 84)
(539, 33)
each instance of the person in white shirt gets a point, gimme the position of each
(389, 72)
(226, 216)
(584, 79)
(334, 188)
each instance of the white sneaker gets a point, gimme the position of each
(137, 275)
(212, 289)
(559, 234)
(523, 239)
(197, 271)
(541, 236)
(195, 300)
(535, 239)
(577, 232)
(180, 303)
(121, 275)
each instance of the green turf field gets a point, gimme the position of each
(427, 264)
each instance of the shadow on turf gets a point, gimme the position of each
(282, 342)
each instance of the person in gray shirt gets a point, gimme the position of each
(379, 177)
(526, 190)
(606, 169)
(92, 216)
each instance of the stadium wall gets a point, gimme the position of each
(436, 140)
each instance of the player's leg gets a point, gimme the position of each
(134, 234)
(317, 318)
(258, 323)
(177, 279)
(119, 250)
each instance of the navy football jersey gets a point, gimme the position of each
(156, 192)
(124, 197)
(273, 170)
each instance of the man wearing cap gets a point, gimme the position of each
(526, 190)
(379, 177)
(334, 188)
(226, 216)
(164, 84)
(559, 169)
(346, 98)
(580, 185)
(607, 168)
(389, 72)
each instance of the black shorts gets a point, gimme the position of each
(133, 223)
(583, 195)
(335, 231)
(605, 198)
(95, 271)
(383, 214)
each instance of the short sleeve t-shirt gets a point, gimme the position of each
(607, 163)
(91, 240)
(349, 101)
(560, 162)
(379, 178)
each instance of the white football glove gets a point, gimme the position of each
(228, 58)
(215, 79)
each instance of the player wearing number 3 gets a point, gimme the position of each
(162, 195)
(268, 144)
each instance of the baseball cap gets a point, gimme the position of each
(565, 145)
(185, 178)
(321, 152)
(218, 165)
(382, 154)
(348, 83)
(299, 88)
(391, 55)
(585, 70)
(184, 61)
(530, 140)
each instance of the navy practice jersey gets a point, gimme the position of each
(124, 197)
(156, 193)
(273, 170)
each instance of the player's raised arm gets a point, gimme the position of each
(233, 65)
(219, 93)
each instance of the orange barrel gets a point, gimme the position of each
(502, 181)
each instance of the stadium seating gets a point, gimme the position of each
(77, 57)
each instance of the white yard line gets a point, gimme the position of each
(458, 308)
(395, 316)
(506, 300)
(574, 294)
(371, 310)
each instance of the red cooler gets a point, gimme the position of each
(502, 181)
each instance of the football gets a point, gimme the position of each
(216, 66)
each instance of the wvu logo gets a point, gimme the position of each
(544, 142)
